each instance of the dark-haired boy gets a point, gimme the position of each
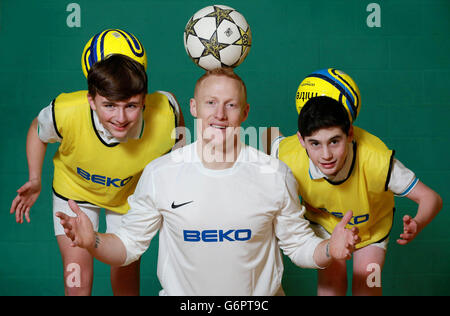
(341, 167)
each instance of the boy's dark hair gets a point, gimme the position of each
(322, 112)
(117, 78)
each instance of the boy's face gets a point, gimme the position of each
(118, 117)
(327, 148)
(219, 107)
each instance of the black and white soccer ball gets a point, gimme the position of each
(217, 36)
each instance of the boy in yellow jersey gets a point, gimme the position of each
(340, 167)
(107, 136)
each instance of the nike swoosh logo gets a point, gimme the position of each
(179, 205)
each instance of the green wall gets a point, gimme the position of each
(402, 69)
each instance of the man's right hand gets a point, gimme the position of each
(79, 229)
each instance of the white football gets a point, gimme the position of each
(217, 36)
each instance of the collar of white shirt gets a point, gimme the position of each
(315, 172)
(106, 136)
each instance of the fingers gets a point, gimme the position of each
(70, 234)
(352, 240)
(14, 204)
(19, 212)
(27, 214)
(402, 242)
(346, 219)
(74, 207)
(18, 207)
(24, 187)
(64, 220)
(409, 230)
(405, 238)
(355, 232)
(407, 219)
(22, 203)
(352, 236)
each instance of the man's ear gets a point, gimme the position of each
(245, 112)
(300, 138)
(193, 107)
(91, 102)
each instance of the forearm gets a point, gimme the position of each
(427, 210)
(322, 255)
(35, 152)
(429, 204)
(109, 249)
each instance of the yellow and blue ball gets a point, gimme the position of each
(333, 83)
(112, 41)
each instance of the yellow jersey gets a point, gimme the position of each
(90, 170)
(364, 191)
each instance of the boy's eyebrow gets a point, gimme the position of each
(336, 137)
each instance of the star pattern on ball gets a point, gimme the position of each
(189, 30)
(212, 46)
(220, 15)
(245, 40)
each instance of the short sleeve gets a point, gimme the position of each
(46, 126)
(402, 179)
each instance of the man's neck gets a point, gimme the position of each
(218, 157)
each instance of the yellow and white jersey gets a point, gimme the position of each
(363, 187)
(89, 166)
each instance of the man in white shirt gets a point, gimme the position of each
(223, 209)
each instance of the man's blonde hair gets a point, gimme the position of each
(227, 72)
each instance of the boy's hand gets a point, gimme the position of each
(25, 199)
(79, 229)
(410, 230)
(343, 241)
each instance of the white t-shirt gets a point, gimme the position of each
(402, 180)
(220, 231)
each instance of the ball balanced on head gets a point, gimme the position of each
(217, 36)
(333, 83)
(109, 42)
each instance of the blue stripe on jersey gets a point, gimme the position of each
(409, 188)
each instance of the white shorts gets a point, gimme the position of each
(113, 219)
(322, 233)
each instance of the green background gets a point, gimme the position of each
(402, 69)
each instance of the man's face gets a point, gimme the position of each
(327, 148)
(118, 117)
(219, 107)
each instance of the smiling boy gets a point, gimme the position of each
(341, 167)
(107, 135)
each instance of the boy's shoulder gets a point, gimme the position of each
(368, 140)
(69, 98)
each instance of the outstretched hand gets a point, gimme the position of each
(79, 229)
(25, 199)
(343, 241)
(410, 230)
